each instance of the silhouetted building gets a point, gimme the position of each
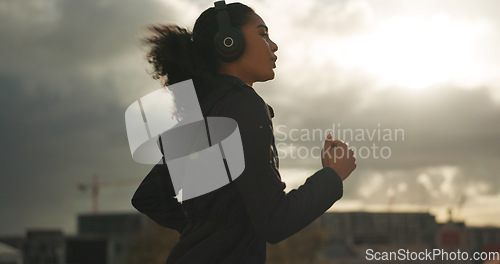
(108, 238)
(44, 247)
(111, 224)
(452, 236)
(103, 238)
(380, 228)
(484, 239)
(86, 250)
(353, 233)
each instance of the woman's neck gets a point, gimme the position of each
(231, 70)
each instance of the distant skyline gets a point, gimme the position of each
(69, 69)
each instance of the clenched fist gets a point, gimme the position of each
(338, 156)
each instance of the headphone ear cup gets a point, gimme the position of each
(229, 44)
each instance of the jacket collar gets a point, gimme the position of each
(231, 81)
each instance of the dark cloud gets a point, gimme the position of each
(444, 125)
(69, 69)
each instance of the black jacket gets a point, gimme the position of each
(232, 224)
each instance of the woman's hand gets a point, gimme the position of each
(338, 156)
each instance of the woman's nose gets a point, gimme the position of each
(274, 46)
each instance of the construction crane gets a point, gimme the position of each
(96, 185)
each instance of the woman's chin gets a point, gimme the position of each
(267, 77)
(271, 75)
(274, 75)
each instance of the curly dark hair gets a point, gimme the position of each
(177, 54)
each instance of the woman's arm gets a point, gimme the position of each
(155, 198)
(275, 214)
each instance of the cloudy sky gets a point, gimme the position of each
(424, 75)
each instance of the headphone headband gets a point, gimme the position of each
(222, 15)
(229, 41)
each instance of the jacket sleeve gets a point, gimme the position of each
(155, 198)
(275, 214)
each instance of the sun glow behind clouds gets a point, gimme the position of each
(416, 52)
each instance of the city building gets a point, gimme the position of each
(103, 238)
(44, 247)
(380, 228)
(129, 238)
(353, 233)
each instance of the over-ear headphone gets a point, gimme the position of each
(229, 41)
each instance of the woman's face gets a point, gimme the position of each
(258, 60)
